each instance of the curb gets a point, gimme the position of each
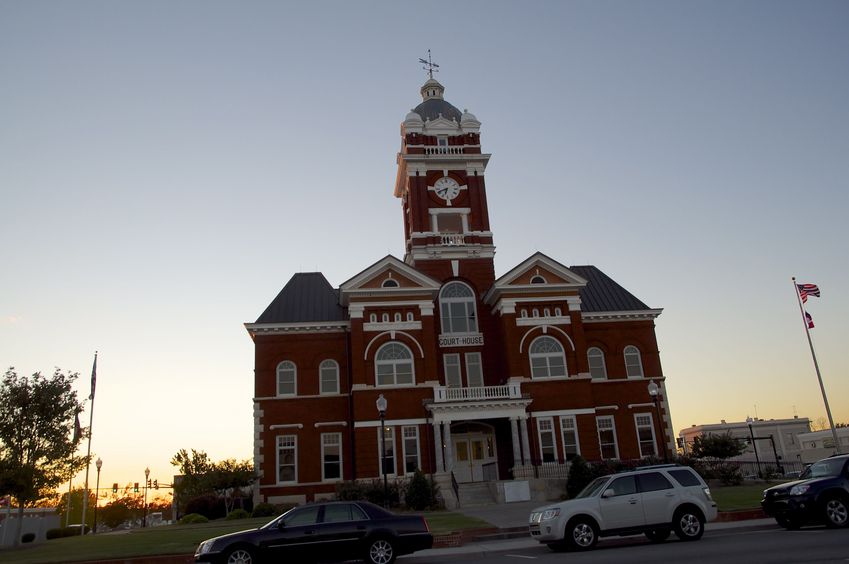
(740, 515)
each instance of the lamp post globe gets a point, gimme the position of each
(146, 478)
(654, 393)
(381, 405)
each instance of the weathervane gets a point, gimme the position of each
(429, 65)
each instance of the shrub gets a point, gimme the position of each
(349, 491)
(264, 510)
(421, 492)
(192, 518)
(210, 506)
(580, 474)
(237, 514)
(729, 474)
(53, 534)
(27, 537)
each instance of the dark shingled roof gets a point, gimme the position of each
(603, 294)
(307, 297)
(430, 109)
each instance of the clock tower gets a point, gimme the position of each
(441, 186)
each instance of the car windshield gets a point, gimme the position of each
(824, 468)
(593, 488)
(276, 521)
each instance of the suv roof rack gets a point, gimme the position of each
(652, 466)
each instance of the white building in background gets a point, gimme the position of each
(785, 435)
(820, 444)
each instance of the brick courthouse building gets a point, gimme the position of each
(493, 379)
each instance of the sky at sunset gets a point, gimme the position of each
(166, 167)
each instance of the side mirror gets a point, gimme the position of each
(609, 492)
(281, 524)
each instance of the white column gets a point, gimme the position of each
(517, 454)
(437, 446)
(449, 448)
(526, 446)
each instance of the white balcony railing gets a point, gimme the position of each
(443, 150)
(444, 394)
(453, 239)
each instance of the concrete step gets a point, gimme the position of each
(475, 494)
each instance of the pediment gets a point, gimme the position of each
(441, 125)
(538, 273)
(372, 281)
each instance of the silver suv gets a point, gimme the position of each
(654, 500)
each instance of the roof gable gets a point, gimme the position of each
(369, 282)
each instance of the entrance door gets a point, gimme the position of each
(474, 457)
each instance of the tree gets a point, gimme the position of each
(201, 476)
(717, 446)
(37, 438)
(76, 514)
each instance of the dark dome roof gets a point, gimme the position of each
(430, 109)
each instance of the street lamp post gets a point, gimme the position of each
(749, 422)
(777, 458)
(654, 392)
(381, 405)
(146, 477)
(98, 464)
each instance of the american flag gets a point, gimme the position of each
(806, 290)
(810, 320)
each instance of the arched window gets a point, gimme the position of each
(385, 318)
(410, 316)
(390, 283)
(535, 312)
(547, 358)
(373, 318)
(524, 313)
(546, 312)
(595, 358)
(537, 280)
(457, 309)
(287, 379)
(558, 312)
(328, 377)
(393, 365)
(397, 317)
(633, 362)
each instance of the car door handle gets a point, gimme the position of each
(308, 532)
(670, 495)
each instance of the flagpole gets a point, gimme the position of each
(816, 366)
(88, 452)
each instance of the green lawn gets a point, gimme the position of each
(746, 496)
(177, 539)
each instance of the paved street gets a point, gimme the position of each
(752, 545)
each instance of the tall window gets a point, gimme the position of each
(645, 434)
(331, 456)
(607, 437)
(547, 446)
(411, 448)
(388, 443)
(457, 309)
(633, 363)
(595, 358)
(547, 358)
(287, 379)
(474, 371)
(287, 458)
(569, 433)
(393, 365)
(453, 377)
(329, 375)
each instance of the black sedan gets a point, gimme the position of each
(334, 531)
(821, 495)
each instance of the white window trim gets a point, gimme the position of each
(615, 438)
(395, 383)
(574, 430)
(294, 379)
(404, 448)
(639, 361)
(391, 441)
(550, 421)
(445, 363)
(479, 362)
(637, 428)
(466, 300)
(603, 364)
(321, 378)
(341, 465)
(277, 470)
(532, 355)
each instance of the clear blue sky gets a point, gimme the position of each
(165, 167)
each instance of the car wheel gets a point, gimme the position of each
(788, 523)
(380, 551)
(658, 535)
(581, 533)
(240, 555)
(836, 512)
(689, 525)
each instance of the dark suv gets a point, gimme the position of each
(820, 495)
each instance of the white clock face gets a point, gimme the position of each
(446, 188)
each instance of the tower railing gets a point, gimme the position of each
(453, 239)
(444, 150)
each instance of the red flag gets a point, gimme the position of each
(809, 320)
(806, 290)
(93, 376)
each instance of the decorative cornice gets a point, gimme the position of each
(259, 329)
(602, 316)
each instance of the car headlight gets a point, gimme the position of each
(204, 547)
(800, 489)
(550, 514)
